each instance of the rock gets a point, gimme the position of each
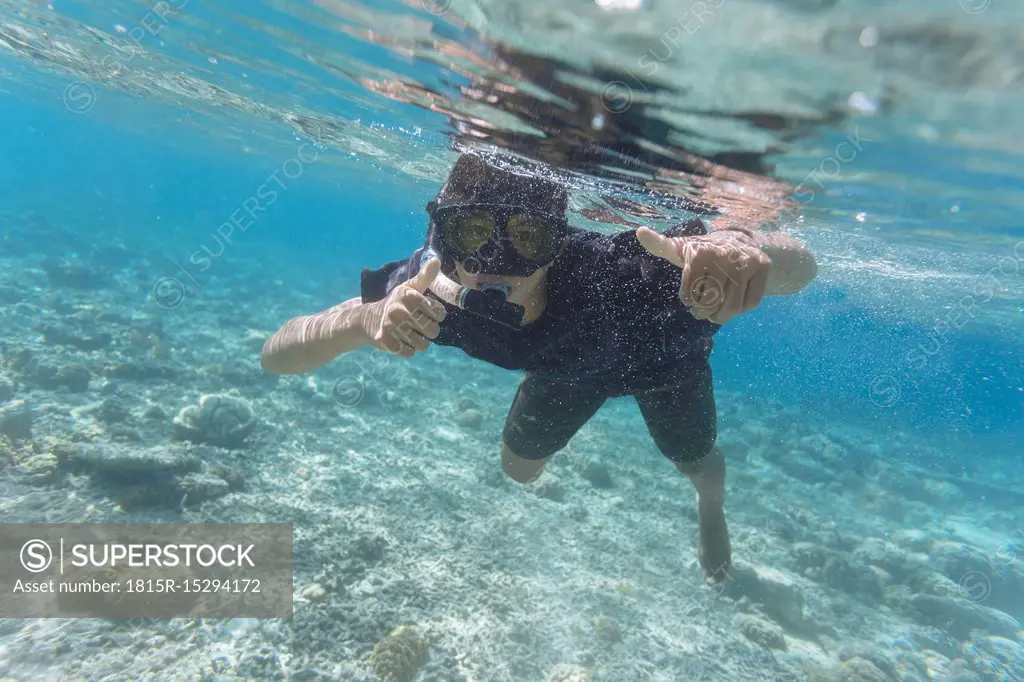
(157, 462)
(996, 658)
(222, 420)
(954, 559)
(258, 665)
(936, 584)
(122, 433)
(254, 340)
(235, 478)
(75, 377)
(888, 506)
(369, 548)
(549, 489)
(757, 434)
(154, 413)
(894, 560)
(902, 484)
(910, 666)
(597, 474)
(579, 513)
(943, 493)
(37, 468)
(132, 497)
(400, 655)
(198, 487)
(20, 359)
(936, 640)
(778, 594)
(470, 418)
(859, 670)
(6, 388)
(838, 570)
(999, 586)
(834, 455)
(113, 410)
(959, 671)
(607, 630)
(874, 656)
(142, 370)
(313, 592)
(760, 631)
(912, 539)
(935, 664)
(230, 374)
(959, 616)
(10, 294)
(808, 555)
(60, 335)
(564, 672)
(804, 468)
(16, 420)
(66, 273)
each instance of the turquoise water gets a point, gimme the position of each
(872, 422)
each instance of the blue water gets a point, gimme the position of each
(970, 387)
(922, 369)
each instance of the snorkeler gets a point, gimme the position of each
(588, 316)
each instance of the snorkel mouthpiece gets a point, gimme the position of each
(498, 287)
(491, 302)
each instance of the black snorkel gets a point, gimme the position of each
(491, 303)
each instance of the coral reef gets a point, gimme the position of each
(400, 655)
(161, 475)
(607, 630)
(6, 388)
(760, 631)
(223, 420)
(565, 672)
(859, 670)
(16, 420)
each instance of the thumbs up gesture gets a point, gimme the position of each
(724, 273)
(404, 322)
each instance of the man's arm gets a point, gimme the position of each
(727, 272)
(402, 323)
(310, 341)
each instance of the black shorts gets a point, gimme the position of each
(546, 414)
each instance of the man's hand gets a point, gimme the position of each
(723, 273)
(405, 321)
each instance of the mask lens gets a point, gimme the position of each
(532, 236)
(465, 232)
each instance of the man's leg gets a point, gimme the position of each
(682, 419)
(545, 415)
(521, 469)
(708, 477)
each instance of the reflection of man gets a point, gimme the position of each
(587, 316)
(575, 127)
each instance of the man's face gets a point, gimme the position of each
(520, 289)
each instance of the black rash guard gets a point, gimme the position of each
(613, 320)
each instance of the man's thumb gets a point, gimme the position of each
(425, 276)
(659, 245)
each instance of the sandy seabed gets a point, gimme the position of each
(852, 562)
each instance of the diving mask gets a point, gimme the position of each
(497, 239)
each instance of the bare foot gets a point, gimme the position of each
(714, 550)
